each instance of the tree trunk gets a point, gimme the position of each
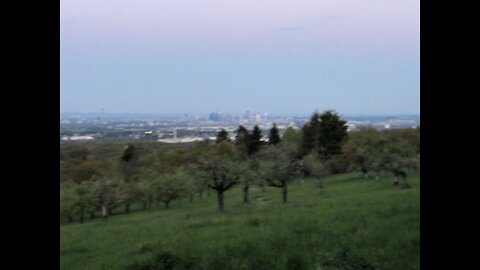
(395, 182)
(127, 208)
(284, 192)
(245, 194)
(319, 181)
(220, 200)
(104, 212)
(92, 215)
(82, 217)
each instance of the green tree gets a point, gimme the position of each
(196, 182)
(249, 177)
(274, 136)
(293, 137)
(77, 199)
(396, 158)
(129, 193)
(80, 171)
(249, 144)
(333, 133)
(408, 135)
(222, 168)
(146, 193)
(67, 201)
(316, 168)
(107, 192)
(85, 199)
(361, 149)
(277, 167)
(77, 152)
(170, 186)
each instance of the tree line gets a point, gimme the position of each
(322, 147)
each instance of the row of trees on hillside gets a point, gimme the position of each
(321, 148)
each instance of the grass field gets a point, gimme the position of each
(351, 224)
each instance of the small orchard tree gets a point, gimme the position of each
(76, 200)
(87, 198)
(248, 178)
(67, 201)
(361, 150)
(222, 168)
(129, 193)
(277, 167)
(146, 186)
(400, 168)
(316, 168)
(147, 194)
(170, 186)
(107, 192)
(196, 182)
(396, 158)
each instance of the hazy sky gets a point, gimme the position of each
(199, 56)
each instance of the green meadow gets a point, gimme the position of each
(350, 223)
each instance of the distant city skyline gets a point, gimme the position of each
(203, 56)
(207, 114)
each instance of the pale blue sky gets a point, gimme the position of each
(198, 56)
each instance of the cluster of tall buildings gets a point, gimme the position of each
(248, 117)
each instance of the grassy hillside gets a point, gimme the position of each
(351, 224)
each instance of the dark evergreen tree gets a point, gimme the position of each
(310, 133)
(242, 139)
(274, 137)
(129, 153)
(332, 134)
(222, 135)
(324, 135)
(129, 165)
(255, 143)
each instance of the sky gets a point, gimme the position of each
(358, 57)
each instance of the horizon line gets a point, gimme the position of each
(235, 113)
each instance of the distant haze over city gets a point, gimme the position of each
(206, 114)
